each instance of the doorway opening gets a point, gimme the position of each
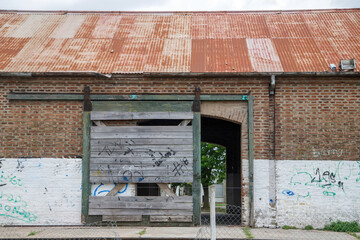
(227, 134)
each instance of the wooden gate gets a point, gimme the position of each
(142, 154)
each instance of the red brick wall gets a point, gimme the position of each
(318, 119)
(304, 114)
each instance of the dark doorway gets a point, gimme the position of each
(227, 134)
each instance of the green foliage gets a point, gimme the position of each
(309, 227)
(354, 235)
(286, 227)
(213, 164)
(340, 226)
(142, 232)
(32, 233)
(247, 232)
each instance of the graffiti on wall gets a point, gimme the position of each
(12, 205)
(40, 191)
(327, 152)
(325, 180)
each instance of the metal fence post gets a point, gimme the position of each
(212, 212)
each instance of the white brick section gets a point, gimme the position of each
(40, 191)
(308, 192)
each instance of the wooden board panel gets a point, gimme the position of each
(139, 179)
(140, 148)
(116, 189)
(136, 212)
(165, 188)
(170, 218)
(148, 106)
(165, 166)
(145, 154)
(143, 205)
(140, 129)
(99, 199)
(110, 115)
(141, 173)
(143, 141)
(106, 218)
(149, 135)
(138, 161)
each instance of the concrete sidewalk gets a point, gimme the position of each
(163, 233)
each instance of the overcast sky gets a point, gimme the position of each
(175, 5)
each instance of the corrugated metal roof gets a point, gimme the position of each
(128, 42)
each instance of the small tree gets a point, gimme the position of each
(213, 167)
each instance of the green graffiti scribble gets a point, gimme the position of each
(10, 179)
(301, 196)
(21, 219)
(329, 194)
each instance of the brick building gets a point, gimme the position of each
(291, 125)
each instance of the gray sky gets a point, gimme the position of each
(175, 5)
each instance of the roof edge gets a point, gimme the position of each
(178, 74)
(63, 12)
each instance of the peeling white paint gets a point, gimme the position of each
(40, 191)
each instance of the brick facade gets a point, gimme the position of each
(315, 118)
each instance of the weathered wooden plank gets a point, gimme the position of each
(179, 199)
(144, 141)
(116, 189)
(85, 184)
(139, 179)
(101, 115)
(185, 122)
(117, 147)
(137, 212)
(135, 154)
(140, 129)
(149, 135)
(166, 189)
(141, 174)
(141, 167)
(107, 218)
(146, 106)
(99, 123)
(196, 183)
(139, 161)
(107, 97)
(46, 96)
(143, 205)
(171, 219)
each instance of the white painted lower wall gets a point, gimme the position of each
(40, 191)
(308, 192)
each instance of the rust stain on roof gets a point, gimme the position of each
(128, 42)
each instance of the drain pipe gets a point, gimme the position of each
(272, 160)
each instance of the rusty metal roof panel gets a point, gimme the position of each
(130, 42)
(220, 55)
(248, 26)
(287, 26)
(68, 26)
(263, 55)
(300, 55)
(333, 25)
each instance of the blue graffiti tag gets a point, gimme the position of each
(288, 192)
(106, 191)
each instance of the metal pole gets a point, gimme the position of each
(212, 212)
